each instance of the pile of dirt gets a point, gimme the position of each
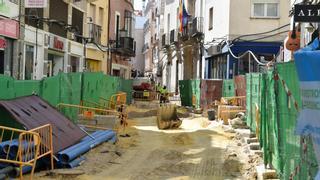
(182, 139)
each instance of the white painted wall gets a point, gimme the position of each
(221, 18)
(139, 60)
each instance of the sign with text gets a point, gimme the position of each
(307, 13)
(56, 42)
(9, 8)
(35, 3)
(9, 28)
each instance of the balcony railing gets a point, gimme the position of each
(95, 32)
(197, 25)
(126, 46)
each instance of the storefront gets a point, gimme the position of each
(96, 60)
(9, 33)
(33, 53)
(76, 56)
(56, 61)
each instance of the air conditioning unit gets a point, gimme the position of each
(214, 50)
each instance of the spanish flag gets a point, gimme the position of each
(183, 15)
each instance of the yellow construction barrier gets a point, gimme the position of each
(114, 101)
(31, 146)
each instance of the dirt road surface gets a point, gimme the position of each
(198, 150)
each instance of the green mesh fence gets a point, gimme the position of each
(68, 88)
(269, 127)
(291, 150)
(253, 99)
(284, 150)
(228, 89)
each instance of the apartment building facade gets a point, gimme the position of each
(97, 29)
(121, 31)
(151, 38)
(9, 38)
(230, 21)
(52, 39)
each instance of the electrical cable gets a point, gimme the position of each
(245, 53)
(264, 37)
(262, 33)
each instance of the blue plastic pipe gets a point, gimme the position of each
(75, 151)
(84, 141)
(75, 162)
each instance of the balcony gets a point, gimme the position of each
(95, 32)
(197, 26)
(194, 28)
(126, 46)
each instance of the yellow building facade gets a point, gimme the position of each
(97, 31)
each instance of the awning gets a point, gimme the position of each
(32, 112)
(256, 47)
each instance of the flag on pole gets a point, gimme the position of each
(183, 15)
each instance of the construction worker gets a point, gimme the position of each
(163, 95)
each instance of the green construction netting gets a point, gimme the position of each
(228, 89)
(283, 149)
(291, 153)
(68, 88)
(189, 88)
(253, 98)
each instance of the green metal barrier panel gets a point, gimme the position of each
(126, 86)
(51, 90)
(185, 92)
(26, 87)
(228, 89)
(188, 89)
(6, 87)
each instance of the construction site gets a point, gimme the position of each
(94, 126)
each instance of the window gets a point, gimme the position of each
(211, 18)
(265, 10)
(117, 23)
(128, 23)
(100, 16)
(93, 12)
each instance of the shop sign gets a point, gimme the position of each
(35, 3)
(3, 43)
(9, 8)
(56, 43)
(307, 13)
(9, 28)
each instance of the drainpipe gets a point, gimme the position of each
(109, 63)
